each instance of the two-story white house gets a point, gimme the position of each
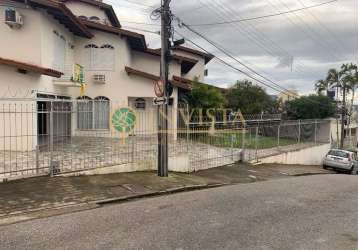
(42, 40)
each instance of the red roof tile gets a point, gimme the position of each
(31, 67)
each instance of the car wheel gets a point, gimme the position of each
(324, 167)
(353, 171)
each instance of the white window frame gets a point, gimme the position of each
(100, 58)
(93, 114)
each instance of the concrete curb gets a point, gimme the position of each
(22, 216)
(159, 193)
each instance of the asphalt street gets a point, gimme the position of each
(310, 212)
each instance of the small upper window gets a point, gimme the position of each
(94, 19)
(91, 46)
(139, 103)
(107, 46)
(83, 18)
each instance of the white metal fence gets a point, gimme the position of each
(52, 136)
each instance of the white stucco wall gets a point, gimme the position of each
(122, 89)
(197, 70)
(33, 43)
(22, 44)
(48, 26)
(307, 156)
(82, 9)
(151, 64)
(119, 85)
(37, 46)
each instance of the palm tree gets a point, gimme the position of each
(334, 78)
(321, 85)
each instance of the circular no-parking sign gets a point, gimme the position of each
(159, 88)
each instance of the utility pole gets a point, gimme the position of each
(343, 115)
(163, 109)
(337, 112)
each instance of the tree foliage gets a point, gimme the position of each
(310, 107)
(249, 98)
(205, 97)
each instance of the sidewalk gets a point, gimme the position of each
(36, 195)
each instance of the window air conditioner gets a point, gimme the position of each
(99, 79)
(13, 19)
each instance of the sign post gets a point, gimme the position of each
(159, 101)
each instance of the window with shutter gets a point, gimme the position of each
(107, 56)
(100, 58)
(59, 52)
(90, 54)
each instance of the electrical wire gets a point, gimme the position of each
(140, 23)
(263, 41)
(143, 30)
(222, 61)
(261, 17)
(318, 41)
(232, 57)
(229, 65)
(329, 31)
(252, 33)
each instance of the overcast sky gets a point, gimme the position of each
(314, 40)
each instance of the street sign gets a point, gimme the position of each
(160, 101)
(159, 88)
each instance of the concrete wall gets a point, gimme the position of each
(307, 156)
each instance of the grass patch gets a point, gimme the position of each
(235, 139)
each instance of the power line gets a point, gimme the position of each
(251, 35)
(143, 30)
(288, 93)
(140, 23)
(318, 41)
(324, 27)
(195, 9)
(146, 10)
(136, 3)
(232, 57)
(235, 59)
(259, 36)
(228, 64)
(265, 16)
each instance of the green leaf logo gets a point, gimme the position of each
(123, 120)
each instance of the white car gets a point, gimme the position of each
(341, 160)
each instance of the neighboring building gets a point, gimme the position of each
(38, 53)
(288, 95)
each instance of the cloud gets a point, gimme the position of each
(316, 39)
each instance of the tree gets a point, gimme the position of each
(250, 98)
(321, 86)
(205, 97)
(310, 107)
